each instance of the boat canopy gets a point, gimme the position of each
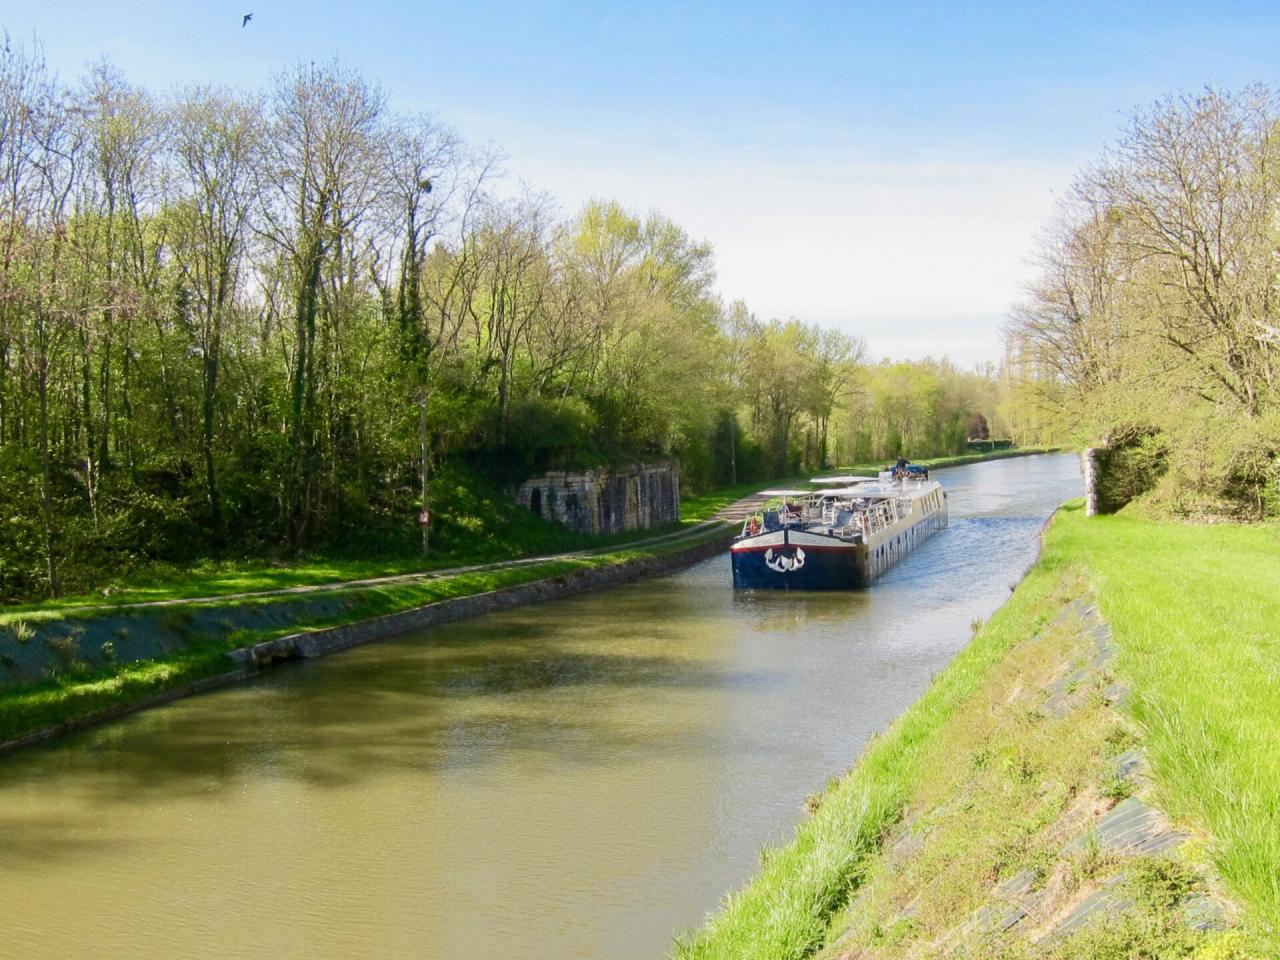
(786, 493)
(864, 491)
(845, 480)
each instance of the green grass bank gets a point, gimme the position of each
(190, 643)
(989, 792)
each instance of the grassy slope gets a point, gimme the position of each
(76, 694)
(997, 798)
(1194, 611)
(221, 578)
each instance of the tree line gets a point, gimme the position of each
(254, 322)
(1154, 325)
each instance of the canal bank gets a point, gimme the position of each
(64, 667)
(1063, 789)
(113, 661)
(582, 778)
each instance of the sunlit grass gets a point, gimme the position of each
(56, 700)
(223, 578)
(1196, 614)
(703, 506)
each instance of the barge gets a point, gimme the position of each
(840, 537)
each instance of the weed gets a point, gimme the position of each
(108, 650)
(63, 649)
(1121, 738)
(1117, 788)
(1020, 768)
(22, 631)
(1161, 883)
(899, 931)
(1088, 863)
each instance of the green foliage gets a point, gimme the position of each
(1153, 327)
(255, 331)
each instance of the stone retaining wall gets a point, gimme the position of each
(318, 643)
(638, 498)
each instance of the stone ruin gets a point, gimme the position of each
(606, 501)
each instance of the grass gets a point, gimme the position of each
(474, 522)
(56, 700)
(77, 692)
(215, 578)
(704, 506)
(1195, 613)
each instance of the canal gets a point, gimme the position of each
(580, 778)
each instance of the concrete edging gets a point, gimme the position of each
(319, 643)
(250, 661)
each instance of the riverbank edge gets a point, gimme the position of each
(965, 459)
(252, 660)
(793, 906)
(782, 911)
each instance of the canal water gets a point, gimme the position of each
(580, 778)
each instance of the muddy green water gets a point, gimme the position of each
(582, 778)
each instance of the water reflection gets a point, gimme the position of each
(577, 779)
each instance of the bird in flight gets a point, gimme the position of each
(245, 21)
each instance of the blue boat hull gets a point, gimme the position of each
(811, 565)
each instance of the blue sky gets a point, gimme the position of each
(882, 167)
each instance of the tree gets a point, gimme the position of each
(320, 171)
(217, 140)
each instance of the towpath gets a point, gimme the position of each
(692, 532)
(739, 510)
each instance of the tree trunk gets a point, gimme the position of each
(210, 388)
(424, 439)
(46, 479)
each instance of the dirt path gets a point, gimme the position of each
(739, 510)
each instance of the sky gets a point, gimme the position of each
(881, 167)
